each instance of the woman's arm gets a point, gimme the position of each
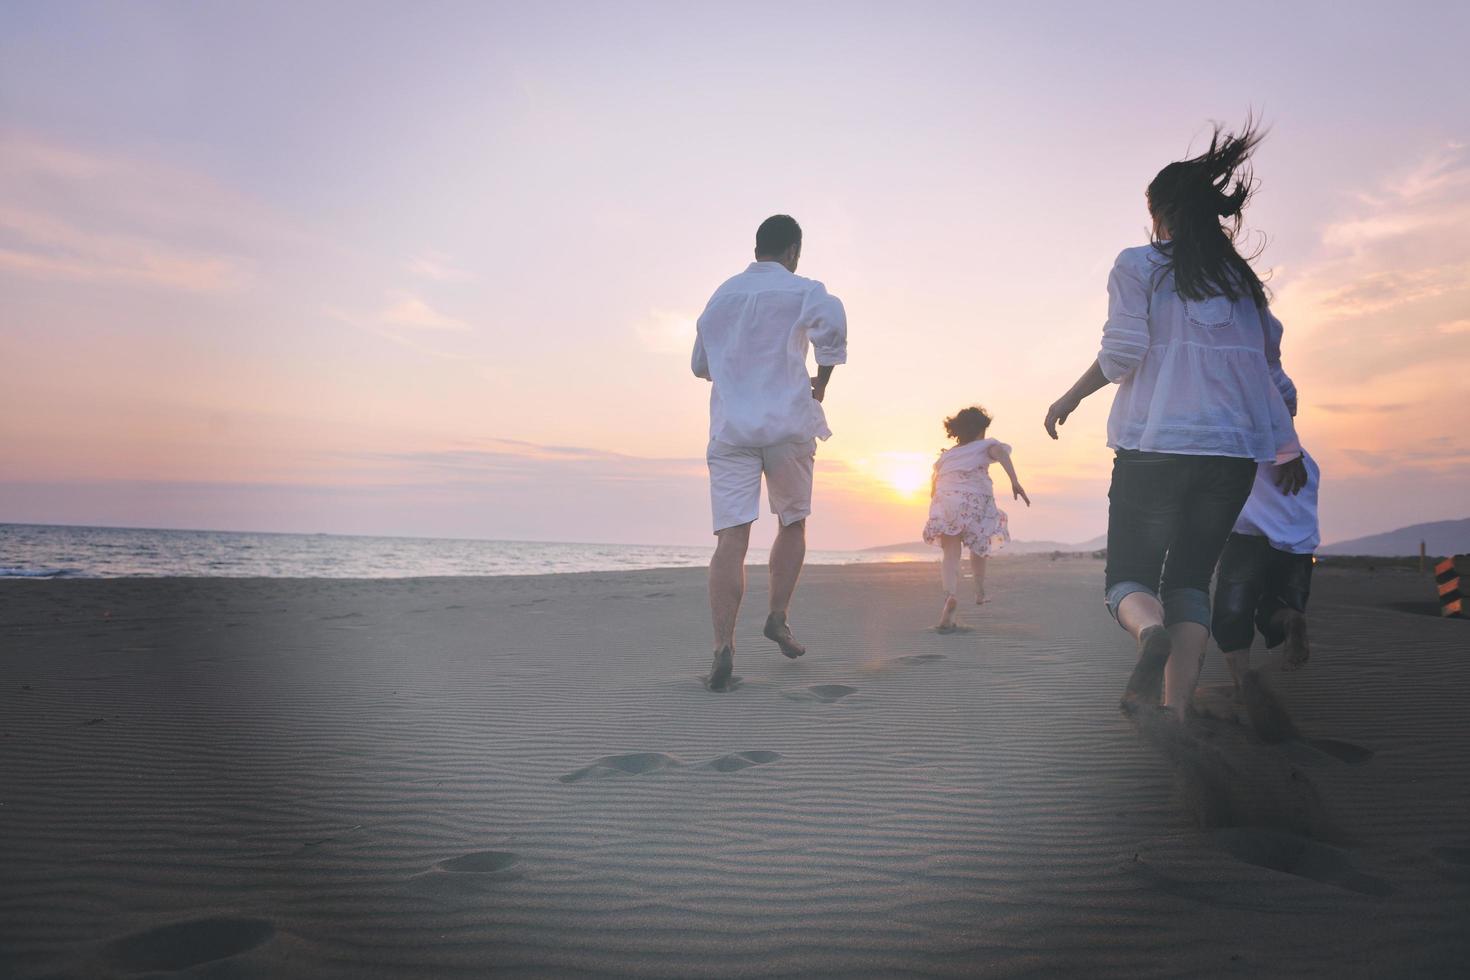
(1092, 379)
(1002, 455)
(1125, 339)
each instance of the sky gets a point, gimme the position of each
(433, 268)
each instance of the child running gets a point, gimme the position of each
(1265, 572)
(962, 507)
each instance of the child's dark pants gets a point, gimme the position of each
(1255, 582)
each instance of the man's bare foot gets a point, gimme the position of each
(1294, 652)
(1146, 685)
(721, 669)
(779, 632)
(980, 597)
(946, 615)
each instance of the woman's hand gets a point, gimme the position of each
(1017, 493)
(1292, 476)
(1092, 380)
(1060, 409)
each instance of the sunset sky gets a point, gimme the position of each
(433, 268)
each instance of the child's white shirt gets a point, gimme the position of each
(1288, 522)
(966, 467)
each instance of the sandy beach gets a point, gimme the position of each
(453, 777)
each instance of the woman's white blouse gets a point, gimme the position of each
(1197, 378)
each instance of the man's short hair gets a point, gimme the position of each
(776, 234)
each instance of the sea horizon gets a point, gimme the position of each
(56, 551)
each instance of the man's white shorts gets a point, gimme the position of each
(735, 481)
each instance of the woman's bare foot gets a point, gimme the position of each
(946, 615)
(779, 632)
(1146, 684)
(1294, 653)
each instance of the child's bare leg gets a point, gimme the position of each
(977, 565)
(1295, 650)
(949, 577)
(1238, 661)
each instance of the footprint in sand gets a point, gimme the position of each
(736, 761)
(186, 944)
(824, 693)
(1229, 779)
(633, 764)
(1291, 854)
(482, 864)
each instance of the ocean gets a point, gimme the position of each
(50, 552)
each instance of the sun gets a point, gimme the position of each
(905, 473)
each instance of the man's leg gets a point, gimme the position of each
(735, 486)
(788, 468)
(727, 582)
(788, 552)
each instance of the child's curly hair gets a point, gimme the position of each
(967, 424)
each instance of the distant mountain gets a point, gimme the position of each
(1014, 548)
(1439, 537)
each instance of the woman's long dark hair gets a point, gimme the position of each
(1195, 201)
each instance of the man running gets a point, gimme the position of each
(765, 418)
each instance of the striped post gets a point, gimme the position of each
(1447, 576)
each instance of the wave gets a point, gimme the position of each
(7, 571)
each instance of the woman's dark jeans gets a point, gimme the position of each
(1168, 518)
(1256, 582)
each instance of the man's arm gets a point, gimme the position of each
(699, 363)
(819, 383)
(826, 323)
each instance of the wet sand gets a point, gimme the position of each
(448, 777)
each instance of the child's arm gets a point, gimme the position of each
(1002, 455)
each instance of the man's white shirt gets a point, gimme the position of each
(751, 342)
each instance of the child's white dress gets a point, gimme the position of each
(964, 499)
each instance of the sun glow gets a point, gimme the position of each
(906, 473)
